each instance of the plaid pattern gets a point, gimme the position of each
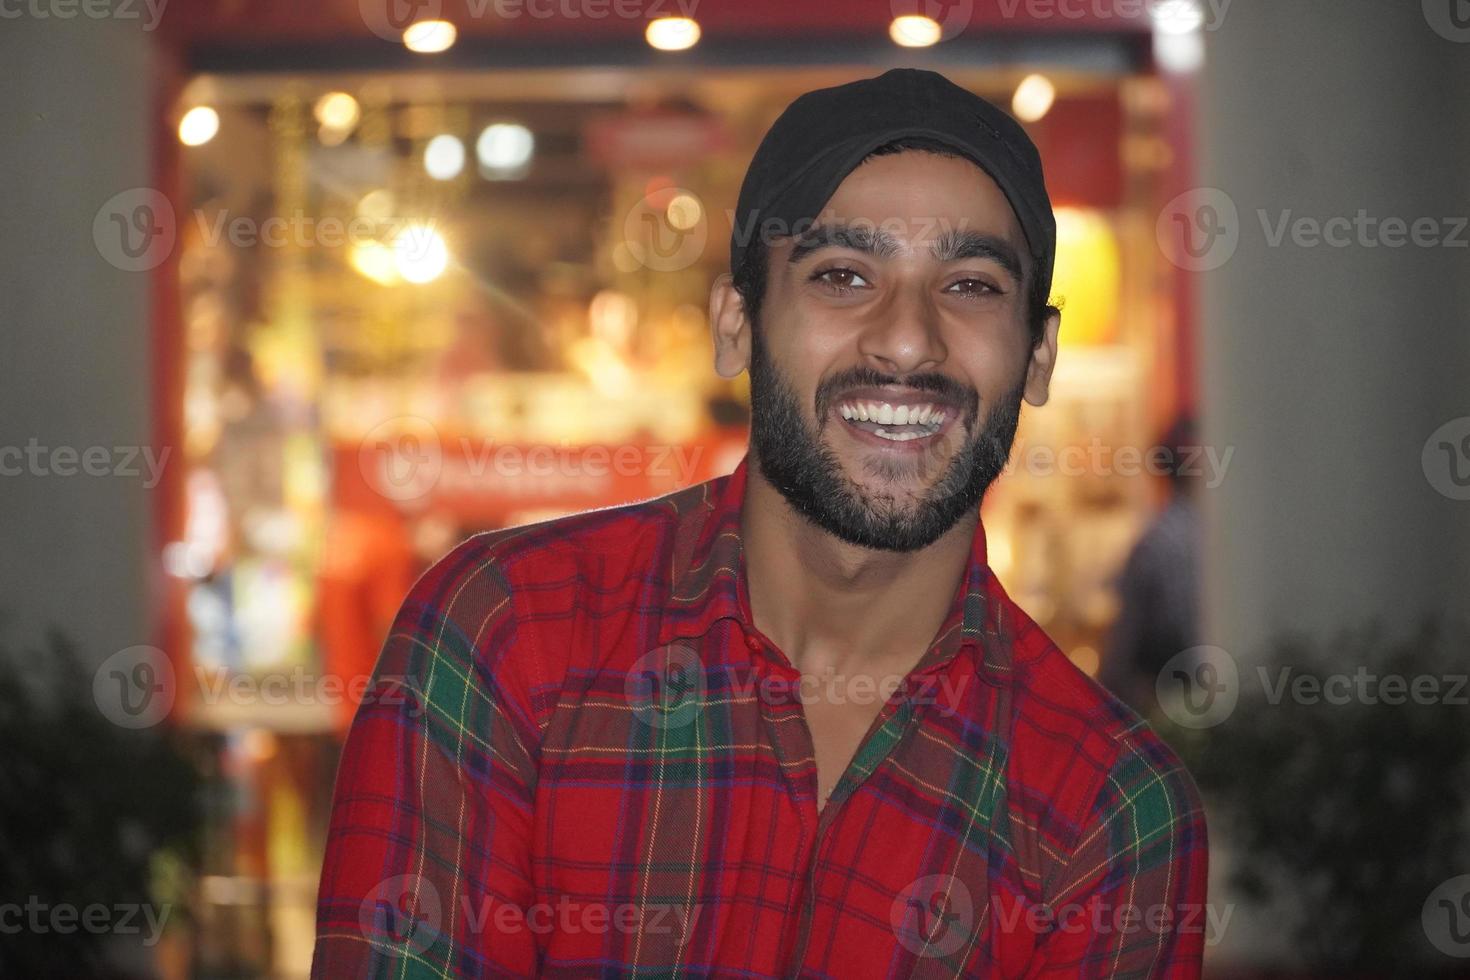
(580, 758)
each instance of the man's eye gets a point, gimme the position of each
(840, 279)
(973, 287)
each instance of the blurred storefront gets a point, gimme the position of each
(416, 299)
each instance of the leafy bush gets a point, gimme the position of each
(86, 811)
(1345, 816)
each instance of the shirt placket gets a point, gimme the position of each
(794, 744)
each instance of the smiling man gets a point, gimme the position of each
(785, 723)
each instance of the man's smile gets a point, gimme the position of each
(895, 420)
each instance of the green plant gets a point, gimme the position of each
(86, 808)
(1345, 810)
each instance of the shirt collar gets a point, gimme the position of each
(707, 581)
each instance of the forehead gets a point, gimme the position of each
(920, 197)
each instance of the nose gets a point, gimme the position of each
(903, 336)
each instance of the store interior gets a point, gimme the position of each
(465, 268)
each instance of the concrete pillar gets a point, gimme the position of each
(74, 333)
(1326, 367)
(1327, 364)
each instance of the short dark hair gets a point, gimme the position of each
(750, 277)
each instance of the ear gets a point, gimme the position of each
(1043, 360)
(729, 327)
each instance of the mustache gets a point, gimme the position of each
(947, 388)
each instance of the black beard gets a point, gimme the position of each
(810, 477)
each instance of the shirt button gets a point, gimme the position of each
(753, 643)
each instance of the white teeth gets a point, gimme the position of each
(883, 413)
(898, 436)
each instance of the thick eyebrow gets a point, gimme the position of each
(955, 245)
(859, 238)
(950, 247)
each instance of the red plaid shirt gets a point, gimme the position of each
(581, 758)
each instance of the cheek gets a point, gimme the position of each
(805, 349)
(992, 356)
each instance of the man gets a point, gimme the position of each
(785, 723)
(1158, 588)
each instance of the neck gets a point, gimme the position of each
(833, 605)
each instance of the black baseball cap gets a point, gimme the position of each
(823, 135)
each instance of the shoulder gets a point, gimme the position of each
(1095, 777)
(523, 591)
